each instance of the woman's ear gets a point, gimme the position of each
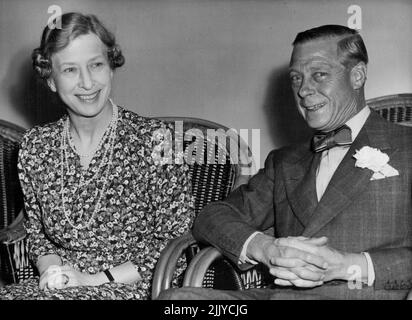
(51, 84)
(358, 75)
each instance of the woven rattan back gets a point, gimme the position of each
(10, 192)
(395, 108)
(214, 172)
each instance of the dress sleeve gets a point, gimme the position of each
(37, 241)
(171, 211)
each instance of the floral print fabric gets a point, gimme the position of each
(146, 203)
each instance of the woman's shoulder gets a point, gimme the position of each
(144, 127)
(136, 120)
(39, 135)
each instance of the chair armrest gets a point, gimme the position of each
(167, 262)
(209, 268)
(14, 232)
(196, 271)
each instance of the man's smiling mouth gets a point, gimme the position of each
(314, 107)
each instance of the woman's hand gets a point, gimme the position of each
(60, 277)
(77, 278)
(53, 278)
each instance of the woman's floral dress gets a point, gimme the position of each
(147, 202)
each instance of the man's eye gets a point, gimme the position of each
(295, 79)
(319, 75)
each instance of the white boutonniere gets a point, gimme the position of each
(375, 160)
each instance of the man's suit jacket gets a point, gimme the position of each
(355, 213)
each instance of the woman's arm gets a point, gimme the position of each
(39, 247)
(123, 273)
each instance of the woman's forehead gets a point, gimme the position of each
(83, 47)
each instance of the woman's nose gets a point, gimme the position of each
(86, 81)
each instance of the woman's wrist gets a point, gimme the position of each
(99, 278)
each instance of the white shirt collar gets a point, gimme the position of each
(357, 121)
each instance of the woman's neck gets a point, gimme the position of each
(86, 131)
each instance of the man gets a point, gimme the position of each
(340, 204)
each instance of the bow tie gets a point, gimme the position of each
(339, 137)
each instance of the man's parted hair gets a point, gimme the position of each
(351, 47)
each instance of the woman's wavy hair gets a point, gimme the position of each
(73, 24)
(351, 48)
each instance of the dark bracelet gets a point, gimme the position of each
(108, 275)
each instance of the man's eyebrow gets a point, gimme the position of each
(322, 63)
(314, 64)
(292, 69)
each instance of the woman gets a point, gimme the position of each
(100, 207)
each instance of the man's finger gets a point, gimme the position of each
(293, 253)
(306, 283)
(302, 243)
(283, 273)
(287, 262)
(298, 283)
(317, 241)
(297, 244)
(306, 273)
(282, 282)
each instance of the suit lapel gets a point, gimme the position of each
(300, 182)
(349, 181)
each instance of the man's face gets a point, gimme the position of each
(322, 85)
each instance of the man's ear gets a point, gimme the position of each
(358, 75)
(51, 84)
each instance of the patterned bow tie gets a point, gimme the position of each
(339, 137)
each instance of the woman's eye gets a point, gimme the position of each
(69, 70)
(97, 65)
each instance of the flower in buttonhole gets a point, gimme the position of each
(371, 158)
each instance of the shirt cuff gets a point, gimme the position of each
(243, 258)
(371, 270)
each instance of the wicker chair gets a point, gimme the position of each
(14, 265)
(395, 108)
(210, 182)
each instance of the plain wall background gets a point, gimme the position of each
(225, 61)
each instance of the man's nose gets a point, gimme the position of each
(306, 88)
(86, 81)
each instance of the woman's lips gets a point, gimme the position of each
(88, 97)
